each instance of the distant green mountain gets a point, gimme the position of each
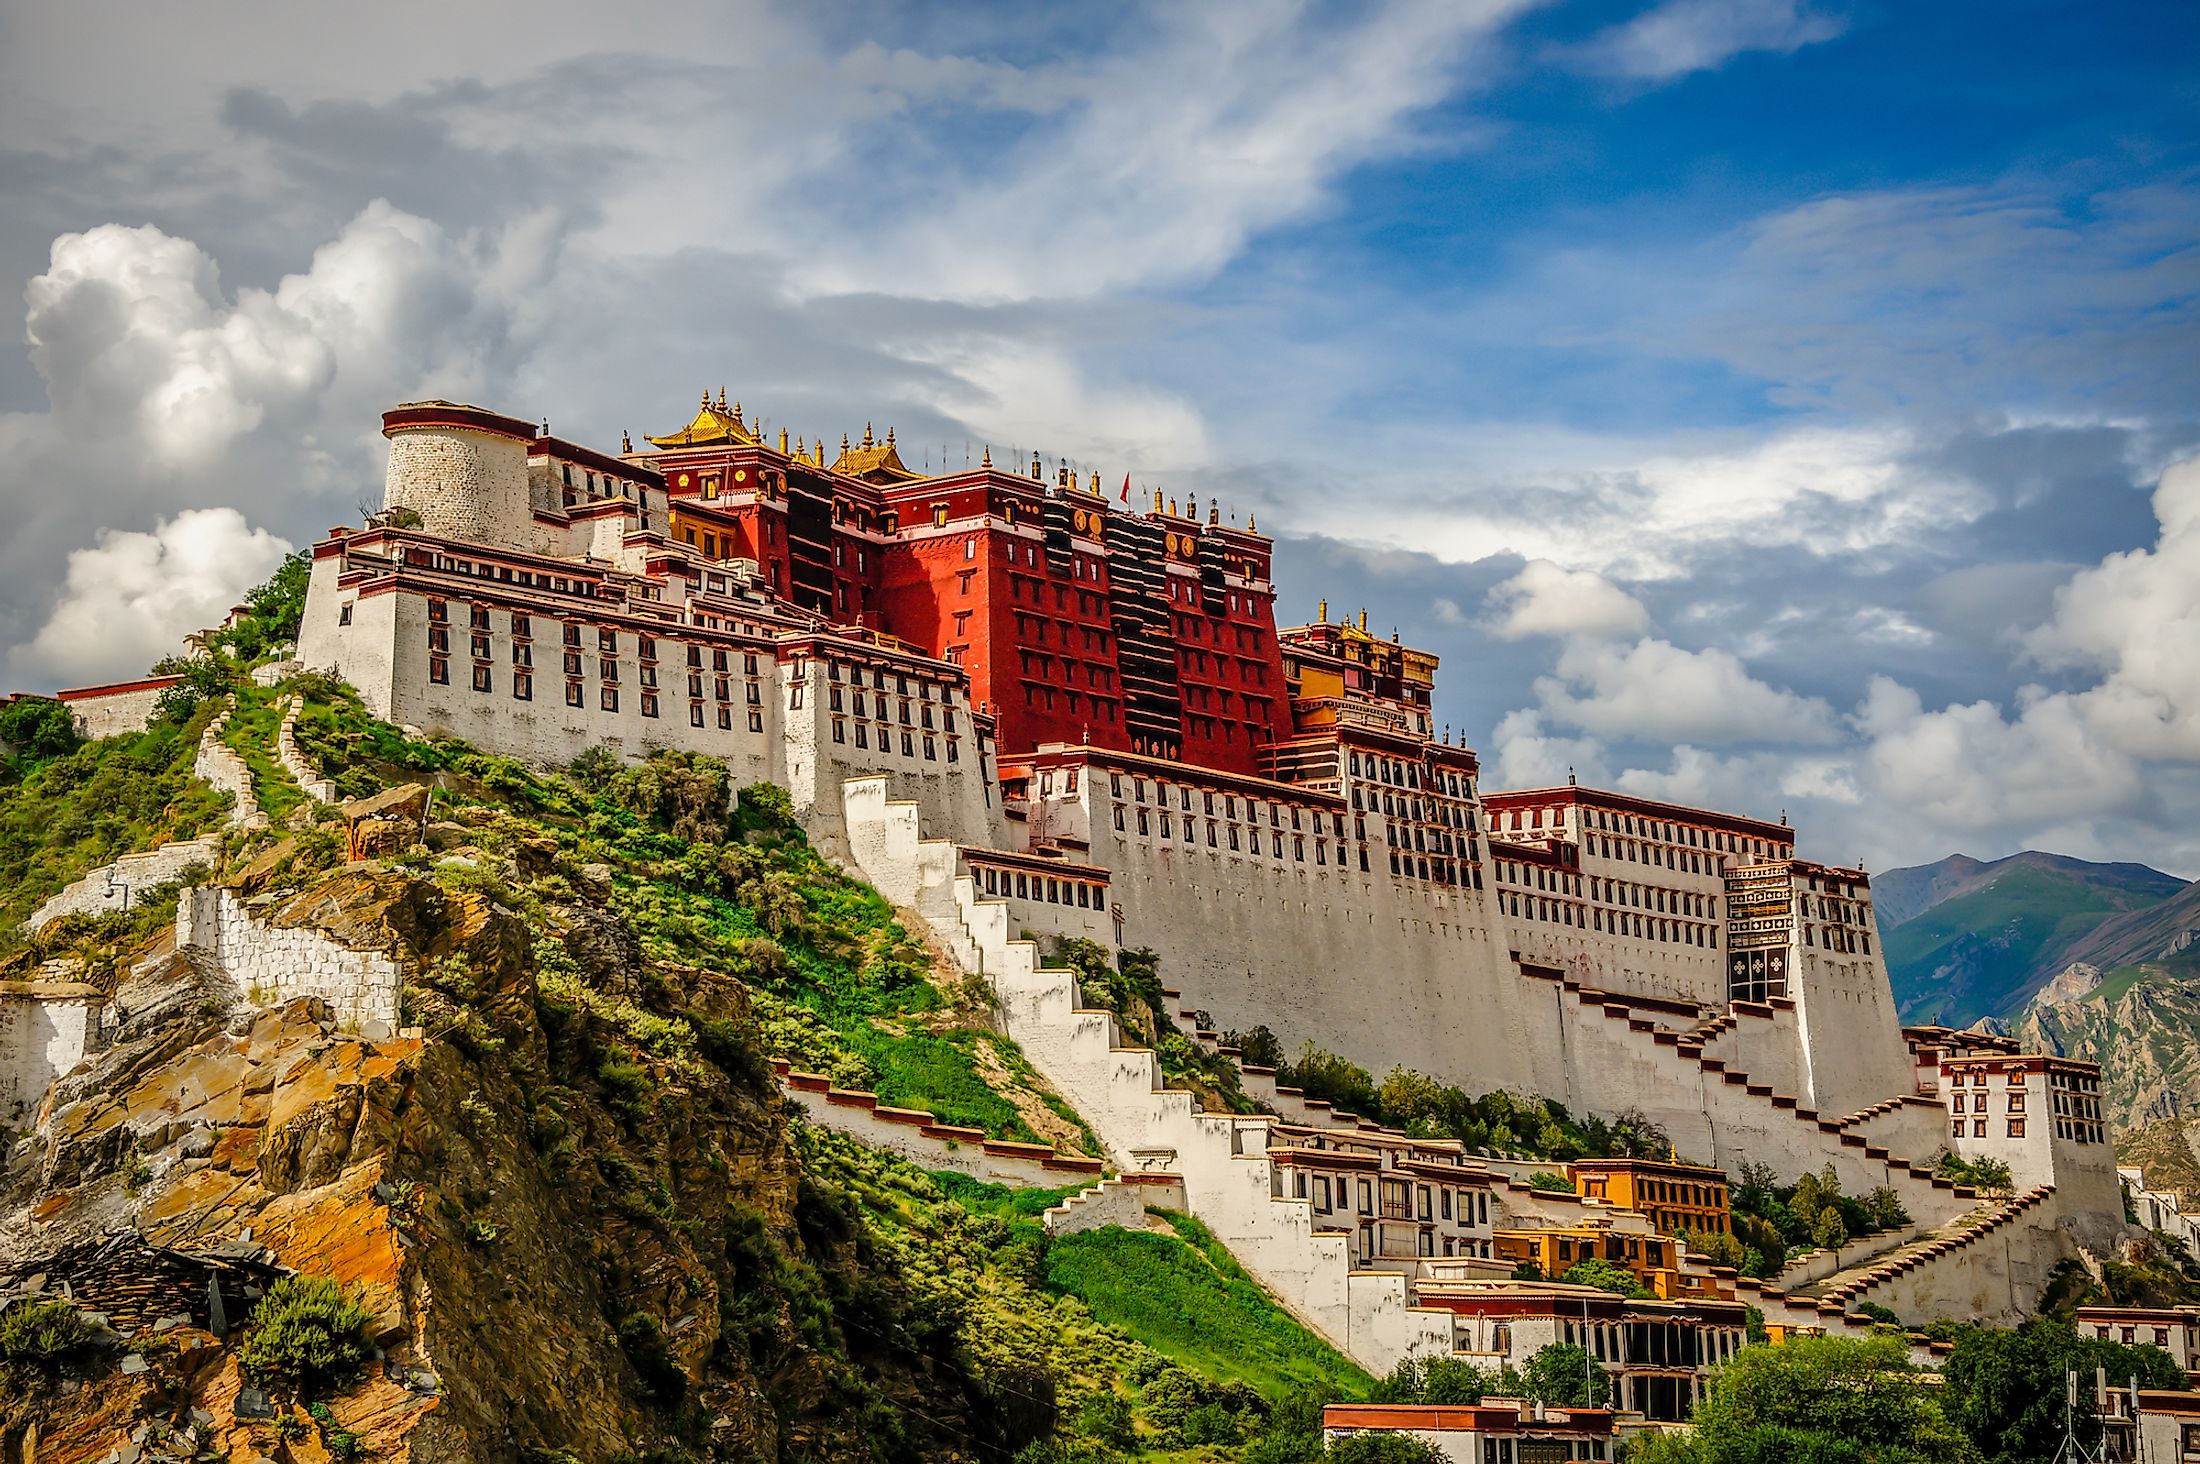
(1966, 939)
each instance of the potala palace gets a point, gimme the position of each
(1024, 707)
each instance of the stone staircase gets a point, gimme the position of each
(1221, 1160)
(293, 759)
(1893, 1278)
(1738, 1105)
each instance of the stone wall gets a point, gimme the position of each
(924, 1141)
(46, 1027)
(464, 484)
(110, 711)
(294, 762)
(221, 769)
(274, 964)
(116, 886)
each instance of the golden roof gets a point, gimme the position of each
(874, 461)
(713, 426)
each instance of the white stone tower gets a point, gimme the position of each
(462, 469)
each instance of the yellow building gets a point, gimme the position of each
(1654, 1260)
(1675, 1196)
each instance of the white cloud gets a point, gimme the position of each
(2136, 617)
(1682, 36)
(1549, 599)
(131, 598)
(1157, 161)
(1657, 690)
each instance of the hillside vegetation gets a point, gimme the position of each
(632, 1248)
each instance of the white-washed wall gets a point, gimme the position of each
(281, 963)
(45, 1030)
(116, 886)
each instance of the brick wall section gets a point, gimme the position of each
(280, 963)
(293, 760)
(220, 768)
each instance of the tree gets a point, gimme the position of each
(1543, 1179)
(203, 678)
(1258, 1047)
(2005, 1388)
(37, 728)
(1830, 1232)
(1886, 1209)
(273, 612)
(1825, 1400)
(1384, 1448)
(1605, 1276)
(1563, 1376)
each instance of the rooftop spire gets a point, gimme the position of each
(987, 460)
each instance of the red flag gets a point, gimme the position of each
(1126, 487)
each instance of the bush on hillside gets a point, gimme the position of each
(306, 1332)
(36, 728)
(42, 1334)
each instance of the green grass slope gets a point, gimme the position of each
(1185, 1297)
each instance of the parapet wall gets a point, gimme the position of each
(276, 964)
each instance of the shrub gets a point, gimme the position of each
(1106, 1419)
(306, 1331)
(205, 678)
(1556, 1184)
(1605, 1276)
(42, 1333)
(37, 728)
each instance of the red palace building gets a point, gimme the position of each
(1076, 620)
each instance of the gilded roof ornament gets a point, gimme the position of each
(713, 426)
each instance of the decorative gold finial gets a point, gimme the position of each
(782, 442)
(1321, 612)
(1250, 526)
(1036, 470)
(721, 399)
(987, 460)
(1157, 500)
(706, 398)
(889, 437)
(1191, 507)
(843, 444)
(867, 434)
(801, 447)
(626, 441)
(1172, 509)
(1096, 482)
(1214, 513)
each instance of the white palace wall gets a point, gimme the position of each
(45, 1030)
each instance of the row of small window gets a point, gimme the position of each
(1652, 899)
(2081, 1133)
(1400, 773)
(1041, 888)
(885, 740)
(923, 710)
(1978, 1128)
(1041, 665)
(1840, 939)
(1022, 588)
(1611, 922)
(1400, 1201)
(576, 694)
(1039, 696)
(1229, 832)
(503, 574)
(1423, 810)
(1183, 791)
(1956, 1102)
(1676, 833)
(853, 675)
(1663, 855)
(1195, 662)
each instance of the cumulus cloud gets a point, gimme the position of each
(2136, 618)
(1681, 36)
(1655, 689)
(129, 598)
(1549, 599)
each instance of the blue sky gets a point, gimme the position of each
(1759, 402)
